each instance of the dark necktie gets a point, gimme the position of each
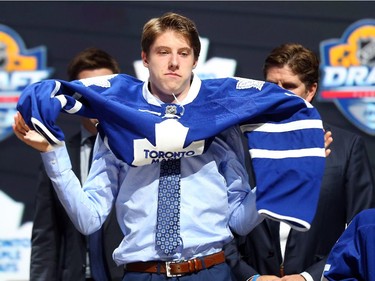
(95, 241)
(91, 142)
(168, 216)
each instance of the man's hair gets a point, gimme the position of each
(90, 59)
(170, 21)
(302, 61)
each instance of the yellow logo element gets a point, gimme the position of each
(10, 57)
(348, 54)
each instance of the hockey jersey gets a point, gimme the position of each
(285, 133)
(353, 255)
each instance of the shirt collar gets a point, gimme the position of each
(192, 94)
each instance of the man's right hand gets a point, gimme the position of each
(28, 136)
(327, 141)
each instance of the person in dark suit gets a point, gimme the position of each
(273, 251)
(59, 251)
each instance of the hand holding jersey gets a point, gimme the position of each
(30, 137)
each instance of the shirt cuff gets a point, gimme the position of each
(253, 278)
(307, 276)
(56, 161)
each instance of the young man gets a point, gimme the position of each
(272, 249)
(59, 251)
(179, 121)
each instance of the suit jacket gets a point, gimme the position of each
(347, 188)
(58, 249)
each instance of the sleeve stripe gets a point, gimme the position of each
(286, 127)
(43, 130)
(280, 154)
(62, 100)
(294, 222)
(77, 106)
(56, 89)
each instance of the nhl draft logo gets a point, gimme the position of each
(348, 68)
(19, 67)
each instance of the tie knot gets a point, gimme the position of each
(170, 167)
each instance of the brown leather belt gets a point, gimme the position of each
(177, 268)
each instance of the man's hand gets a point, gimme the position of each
(28, 136)
(293, 277)
(268, 278)
(327, 141)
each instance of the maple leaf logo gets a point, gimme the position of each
(15, 240)
(170, 137)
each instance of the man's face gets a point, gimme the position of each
(285, 78)
(170, 63)
(90, 124)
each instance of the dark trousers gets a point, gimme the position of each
(220, 272)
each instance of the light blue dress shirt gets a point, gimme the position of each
(215, 196)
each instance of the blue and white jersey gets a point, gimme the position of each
(353, 255)
(285, 133)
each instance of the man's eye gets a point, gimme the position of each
(289, 87)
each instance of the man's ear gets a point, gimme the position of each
(195, 64)
(311, 92)
(144, 59)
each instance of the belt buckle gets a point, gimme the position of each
(168, 269)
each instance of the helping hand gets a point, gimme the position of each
(268, 278)
(293, 277)
(327, 141)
